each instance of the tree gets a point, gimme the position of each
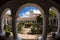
(53, 19)
(37, 28)
(39, 19)
(52, 13)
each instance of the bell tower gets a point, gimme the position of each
(31, 12)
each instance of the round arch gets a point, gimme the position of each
(30, 4)
(58, 18)
(43, 14)
(3, 20)
(56, 11)
(4, 11)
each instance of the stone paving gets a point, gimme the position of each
(26, 36)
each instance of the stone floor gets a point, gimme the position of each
(26, 36)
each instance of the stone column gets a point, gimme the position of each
(56, 21)
(2, 26)
(45, 25)
(14, 28)
(52, 21)
(58, 31)
(49, 21)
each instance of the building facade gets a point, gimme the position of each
(32, 17)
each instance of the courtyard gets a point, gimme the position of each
(29, 20)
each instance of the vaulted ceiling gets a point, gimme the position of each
(57, 1)
(4, 1)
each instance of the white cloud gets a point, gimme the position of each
(24, 16)
(27, 14)
(36, 11)
(8, 12)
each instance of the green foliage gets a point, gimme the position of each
(7, 28)
(36, 29)
(53, 16)
(51, 28)
(39, 19)
(20, 27)
(29, 23)
(52, 13)
(7, 34)
(33, 30)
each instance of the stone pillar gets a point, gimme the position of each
(45, 25)
(52, 20)
(58, 31)
(5, 21)
(2, 26)
(49, 21)
(14, 28)
(56, 21)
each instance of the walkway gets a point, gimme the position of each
(27, 36)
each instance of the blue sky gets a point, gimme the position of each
(26, 10)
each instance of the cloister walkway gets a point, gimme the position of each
(26, 36)
(17, 5)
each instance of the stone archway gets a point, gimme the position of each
(30, 4)
(45, 17)
(58, 19)
(15, 4)
(3, 22)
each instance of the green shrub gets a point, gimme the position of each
(33, 30)
(29, 23)
(20, 27)
(49, 28)
(7, 34)
(36, 29)
(7, 28)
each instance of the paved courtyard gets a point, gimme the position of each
(26, 36)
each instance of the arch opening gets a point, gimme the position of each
(54, 20)
(6, 21)
(29, 9)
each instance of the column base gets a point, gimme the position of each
(19, 38)
(40, 38)
(2, 34)
(57, 35)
